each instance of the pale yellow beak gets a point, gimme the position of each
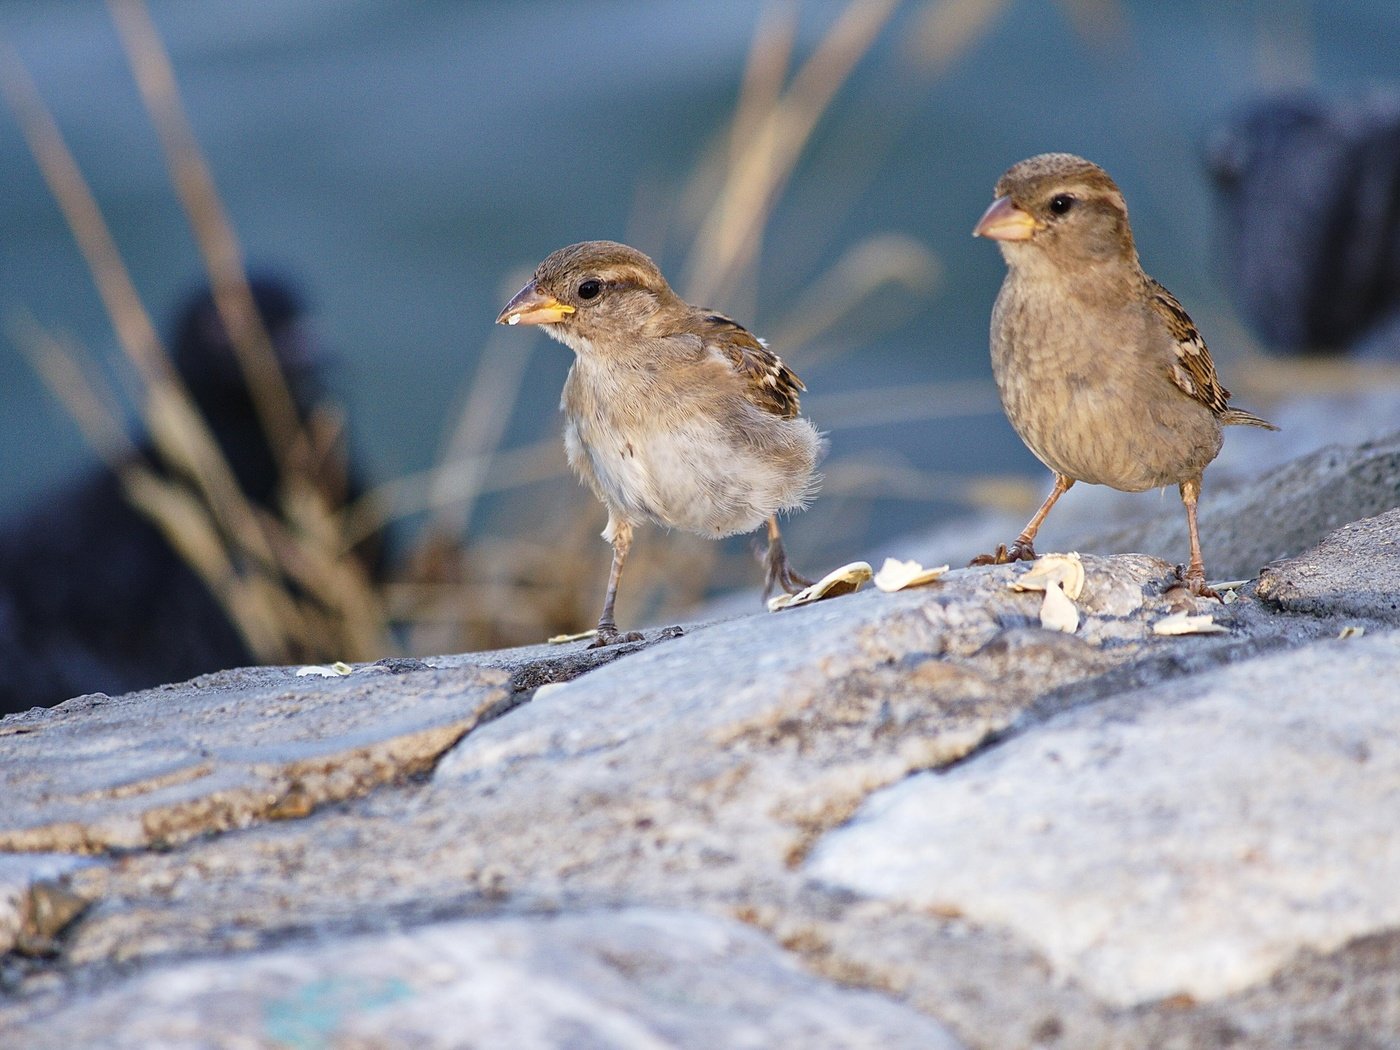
(1004, 221)
(532, 306)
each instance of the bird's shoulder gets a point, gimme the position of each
(767, 382)
(1191, 369)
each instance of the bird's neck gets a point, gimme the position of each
(570, 337)
(1113, 278)
(642, 348)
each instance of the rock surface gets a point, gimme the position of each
(632, 979)
(1196, 892)
(35, 906)
(1355, 570)
(1247, 525)
(1248, 518)
(159, 767)
(910, 819)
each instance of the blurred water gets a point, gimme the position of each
(411, 159)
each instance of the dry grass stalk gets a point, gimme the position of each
(453, 481)
(173, 420)
(181, 517)
(482, 421)
(1268, 377)
(766, 145)
(75, 378)
(289, 589)
(1286, 44)
(339, 580)
(888, 478)
(284, 608)
(213, 232)
(947, 28)
(1261, 377)
(1102, 23)
(868, 266)
(879, 406)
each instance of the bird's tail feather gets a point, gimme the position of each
(1238, 417)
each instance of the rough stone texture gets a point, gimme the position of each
(1246, 520)
(160, 767)
(1281, 514)
(667, 789)
(34, 905)
(1224, 860)
(718, 756)
(630, 980)
(1355, 570)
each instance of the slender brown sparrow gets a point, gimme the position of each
(672, 413)
(1100, 370)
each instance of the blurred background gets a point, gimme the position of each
(813, 169)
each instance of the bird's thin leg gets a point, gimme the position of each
(776, 570)
(1023, 548)
(619, 534)
(1196, 572)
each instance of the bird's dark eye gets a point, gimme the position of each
(1061, 203)
(589, 289)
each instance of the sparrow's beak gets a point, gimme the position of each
(1004, 221)
(532, 306)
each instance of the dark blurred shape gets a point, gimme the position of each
(92, 597)
(1309, 192)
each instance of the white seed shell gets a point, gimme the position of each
(1057, 612)
(844, 580)
(1184, 623)
(339, 669)
(1063, 569)
(895, 575)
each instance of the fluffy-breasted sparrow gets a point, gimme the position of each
(1101, 372)
(673, 414)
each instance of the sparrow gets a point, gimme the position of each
(1101, 371)
(673, 414)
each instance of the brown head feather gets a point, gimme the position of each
(1045, 171)
(634, 297)
(1091, 226)
(617, 266)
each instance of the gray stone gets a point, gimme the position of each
(531, 666)
(803, 713)
(1143, 850)
(35, 905)
(1278, 515)
(160, 767)
(1246, 520)
(1354, 571)
(718, 756)
(631, 980)
(700, 767)
(655, 793)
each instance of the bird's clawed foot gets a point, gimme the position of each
(778, 573)
(1194, 580)
(608, 634)
(1021, 550)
